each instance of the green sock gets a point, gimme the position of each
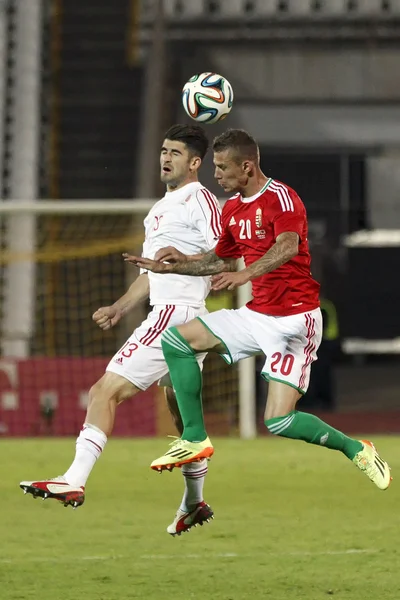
(187, 381)
(303, 426)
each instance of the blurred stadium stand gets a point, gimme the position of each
(292, 9)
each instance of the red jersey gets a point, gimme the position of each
(250, 227)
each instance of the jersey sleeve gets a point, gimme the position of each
(289, 213)
(226, 247)
(205, 213)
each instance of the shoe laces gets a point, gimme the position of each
(176, 441)
(367, 465)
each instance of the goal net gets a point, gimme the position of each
(59, 262)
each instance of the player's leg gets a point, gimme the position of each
(104, 396)
(132, 369)
(288, 370)
(193, 510)
(180, 346)
(173, 408)
(194, 473)
(282, 418)
(222, 332)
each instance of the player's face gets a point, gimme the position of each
(176, 163)
(231, 174)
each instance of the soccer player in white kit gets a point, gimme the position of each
(188, 217)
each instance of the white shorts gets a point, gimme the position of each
(289, 343)
(141, 360)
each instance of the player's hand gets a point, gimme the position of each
(229, 281)
(170, 254)
(147, 264)
(106, 317)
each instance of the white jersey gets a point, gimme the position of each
(190, 220)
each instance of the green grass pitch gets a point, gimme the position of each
(292, 522)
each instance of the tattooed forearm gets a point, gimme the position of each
(203, 264)
(285, 248)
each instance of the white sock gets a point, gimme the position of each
(89, 446)
(194, 474)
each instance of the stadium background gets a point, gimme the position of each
(86, 91)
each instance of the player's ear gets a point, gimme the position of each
(247, 166)
(195, 163)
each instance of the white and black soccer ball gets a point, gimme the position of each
(207, 98)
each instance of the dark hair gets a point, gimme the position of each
(239, 140)
(192, 135)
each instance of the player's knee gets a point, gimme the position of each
(274, 413)
(172, 341)
(111, 388)
(99, 394)
(276, 410)
(277, 422)
(188, 339)
(273, 424)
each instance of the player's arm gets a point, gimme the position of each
(203, 264)
(200, 265)
(285, 248)
(137, 292)
(221, 257)
(108, 316)
(289, 218)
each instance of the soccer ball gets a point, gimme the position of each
(207, 98)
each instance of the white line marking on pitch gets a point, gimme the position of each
(299, 553)
(58, 559)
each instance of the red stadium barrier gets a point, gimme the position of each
(47, 396)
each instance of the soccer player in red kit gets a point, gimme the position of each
(266, 223)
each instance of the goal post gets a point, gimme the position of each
(247, 379)
(77, 268)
